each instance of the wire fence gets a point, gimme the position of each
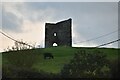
(23, 43)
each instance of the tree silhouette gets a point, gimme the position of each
(87, 65)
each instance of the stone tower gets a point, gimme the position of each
(58, 33)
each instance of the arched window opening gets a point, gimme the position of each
(55, 44)
(55, 34)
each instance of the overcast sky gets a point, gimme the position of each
(26, 20)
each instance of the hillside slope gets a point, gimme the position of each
(62, 55)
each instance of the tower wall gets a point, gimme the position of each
(59, 33)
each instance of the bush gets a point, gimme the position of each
(114, 68)
(20, 58)
(19, 63)
(18, 72)
(87, 65)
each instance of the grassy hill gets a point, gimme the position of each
(0, 60)
(62, 55)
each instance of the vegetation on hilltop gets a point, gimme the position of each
(33, 62)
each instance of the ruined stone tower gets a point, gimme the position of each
(58, 33)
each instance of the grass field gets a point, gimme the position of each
(62, 55)
(0, 60)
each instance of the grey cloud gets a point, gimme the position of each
(11, 22)
(37, 11)
(0, 20)
(93, 19)
(90, 19)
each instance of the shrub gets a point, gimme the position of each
(114, 68)
(20, 72)
(20, 58)
(87, 65)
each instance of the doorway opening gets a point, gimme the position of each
(55, 44)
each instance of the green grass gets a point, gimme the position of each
(0, 60)
(62, 55)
